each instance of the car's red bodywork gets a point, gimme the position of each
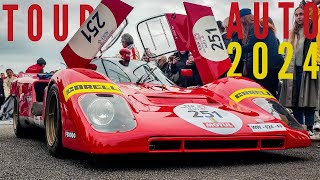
(161, 124)
(158, 128)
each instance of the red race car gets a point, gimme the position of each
(118, 105)
(131, 107)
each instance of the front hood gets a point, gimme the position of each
(194, 111)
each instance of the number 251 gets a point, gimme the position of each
(94, 29)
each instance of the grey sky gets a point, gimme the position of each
(22, 52)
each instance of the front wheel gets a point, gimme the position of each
(53, 123)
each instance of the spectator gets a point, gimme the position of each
(2, 97)
(302, 93)
(37, 68)
(271, 25)
(240, 67)
(7, 82)
(185, 60)
(127, 42)
(275, 61)
(224, 34)
(148, 56)
(317, 2)
(220, 26)
(164, 65)
(225, 24)
(3, 76)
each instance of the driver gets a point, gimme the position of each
(37, 68)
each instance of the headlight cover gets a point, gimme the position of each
(107, 112)
(278, 111)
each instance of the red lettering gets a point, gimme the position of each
(265, 26)
(10, 9)
(38, 9)
(83, 9)
(234, 14)
(314, 8)
(286, 6)
(56, 25)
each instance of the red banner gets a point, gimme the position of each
(94, 33)
(207, 46)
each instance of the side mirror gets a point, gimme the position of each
(125, 54)
(186, 72)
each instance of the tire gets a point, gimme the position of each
(19, 131)
(53, 125)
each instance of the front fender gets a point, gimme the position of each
(237, 93)
(73, 120)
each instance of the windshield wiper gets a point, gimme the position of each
(120, 74)
(146, 76)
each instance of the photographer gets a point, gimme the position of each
(184, 60)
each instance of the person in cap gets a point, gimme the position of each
(275, 60)
(37, 68)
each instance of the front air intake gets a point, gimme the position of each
(220, 144)
(272, 143)
(164, 145)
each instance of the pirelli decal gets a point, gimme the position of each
(250, 93)
(89, 87)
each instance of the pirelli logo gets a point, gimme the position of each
(89, 87)
(250, 93)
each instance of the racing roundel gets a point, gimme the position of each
(209, 40)
(209, 118)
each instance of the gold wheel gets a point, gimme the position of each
(51, 122)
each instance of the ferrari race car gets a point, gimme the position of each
(119, 105)
(131, 107)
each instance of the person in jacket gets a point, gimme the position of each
(184, 60)
(7, 82)
(3, 76)
(37, 68)
(302, 93)
(163, 65)
(275, 61)
(2, 97)
(317, 2)
(148, 56)
(240, 67)
(127, 42)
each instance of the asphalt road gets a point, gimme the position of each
(29, 159)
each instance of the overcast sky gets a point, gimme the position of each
(22, 52)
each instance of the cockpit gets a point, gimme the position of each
(122, 71)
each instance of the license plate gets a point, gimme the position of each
(267, 127)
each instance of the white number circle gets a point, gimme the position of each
(80, 43)
(209, 118)
(209, 40)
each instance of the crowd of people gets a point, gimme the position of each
(301, 94)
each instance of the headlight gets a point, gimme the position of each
(100, 111)
(278, 111)
(107, 113)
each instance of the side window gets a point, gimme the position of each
(115, 73)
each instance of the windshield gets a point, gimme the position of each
(120, 71)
